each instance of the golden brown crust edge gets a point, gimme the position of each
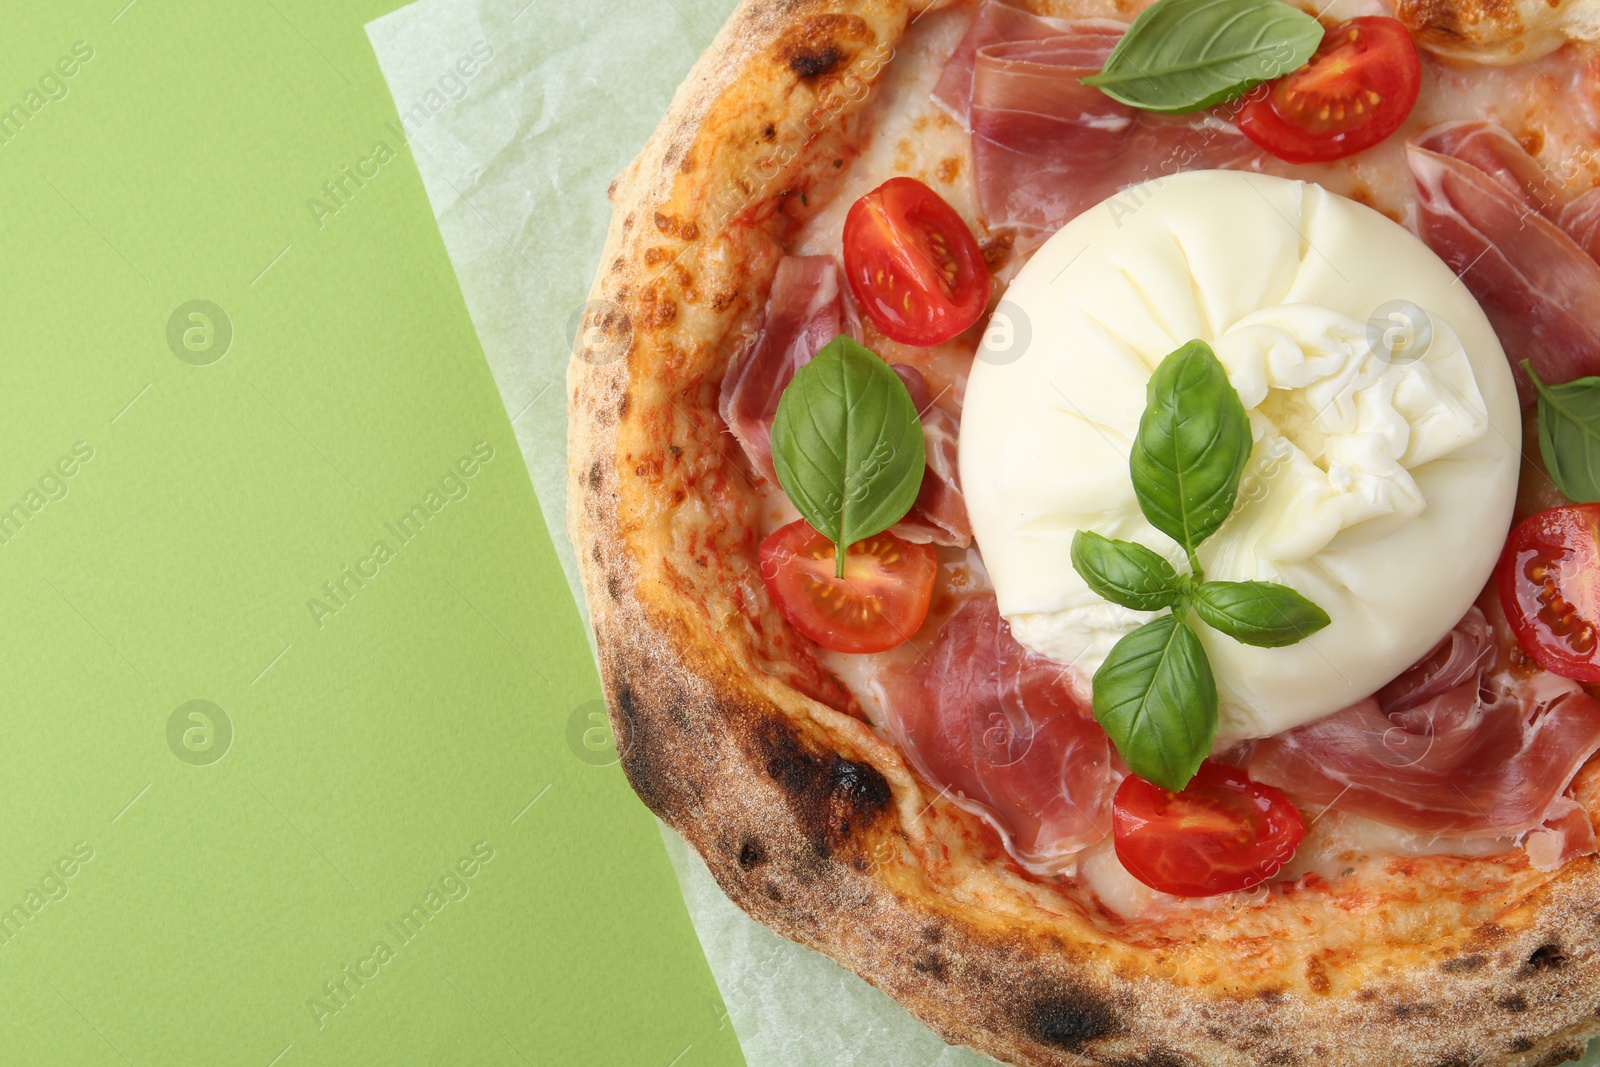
(806, 819)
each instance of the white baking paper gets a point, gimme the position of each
(519, 113)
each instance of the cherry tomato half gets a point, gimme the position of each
(1358, 88)
(913, 265)
(1549, 578)
(878, 604)
(1222, 833)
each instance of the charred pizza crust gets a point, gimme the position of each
(735, 736)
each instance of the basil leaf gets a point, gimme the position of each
(1569, 435)
(1156, 698)
(1263, 614)
(1184, 55)
(847, 445)
(1193, 443)
(1125, 573)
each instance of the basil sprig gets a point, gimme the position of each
(847, 445)
(1185, 55)
(1569, 435)
(1155, 694)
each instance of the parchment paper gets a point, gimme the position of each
(519, 113)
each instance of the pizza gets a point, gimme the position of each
(1087, 513)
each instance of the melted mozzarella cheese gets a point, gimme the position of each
(1336, 846)
(1382, 408)
(908, 135)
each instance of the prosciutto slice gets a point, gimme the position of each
(1567, 833)
(1581, 220)
(1457, 745)
(1492, 149)
(997, 727)
(803, 313)
(1046, 147)
(1482, 206)
(940, 513)
(994, 23)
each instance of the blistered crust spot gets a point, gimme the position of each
(1516, 1004)
(1561, 1054)
(834, 798)
(636, 759)
(823, 44)
(1408, 1012)
(1074, 1020)
(1547, 957)
(752, 854)
(930, 964)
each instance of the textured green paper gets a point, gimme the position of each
(217, 797)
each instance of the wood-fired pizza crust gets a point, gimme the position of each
(815, 825)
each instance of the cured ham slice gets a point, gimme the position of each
(1453, 746)
(997, 727)
(1046, 147)
(1459, 658)
(1476, 209)
(1567, 833)
(804, 312)
(940, 513)
(994, 23)
(1581, 220)
(1491, 149)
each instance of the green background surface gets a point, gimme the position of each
(438, 707)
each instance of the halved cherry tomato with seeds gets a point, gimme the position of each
(1357, 89)
(913, 264)
(878, 604)
(1223, 833)
(1549, 580)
